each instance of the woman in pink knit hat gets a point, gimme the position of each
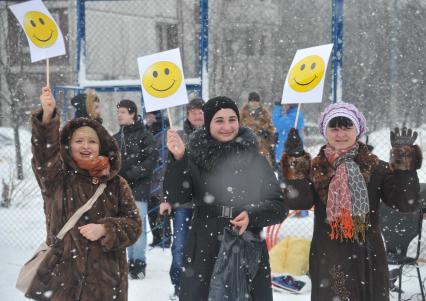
(345, 184)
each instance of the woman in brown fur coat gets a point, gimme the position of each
(90, 262)
(346, 184)
(259, 120)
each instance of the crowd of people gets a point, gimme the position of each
(229, 168)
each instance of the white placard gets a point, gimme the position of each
(43, 34)
(305, 79)
(162, 80)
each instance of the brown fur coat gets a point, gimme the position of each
(262, 126)
(82, 270)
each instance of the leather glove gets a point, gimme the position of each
(403, 138)
(294, 145)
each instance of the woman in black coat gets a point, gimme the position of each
(230, 183)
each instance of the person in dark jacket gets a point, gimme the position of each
(139, 156)
(160, 229)
(87, 105)
(346, 183)
(231, 184)
(69, 165)
(182, 214)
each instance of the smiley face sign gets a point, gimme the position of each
(44, 36)
(305, 80)
(307, 73)
(162, 80)
(40, 29)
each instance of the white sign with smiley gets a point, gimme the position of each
(43, 34)
(162, 81)
(305, 80)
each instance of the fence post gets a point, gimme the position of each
(204, 48)
(81, 41)
(337, 39)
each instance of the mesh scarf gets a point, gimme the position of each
(347, 202)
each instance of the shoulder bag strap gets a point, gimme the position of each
(80, 211)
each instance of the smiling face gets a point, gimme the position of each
(84, 144)
(306, 74)
(341, 137)
(224, 125)
(162, 79)
(40, 29)
(196, 117)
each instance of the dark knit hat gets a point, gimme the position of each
(79, 103)
(130, 106)
(211, 107)
(157, 114)
(253, 96)
(196, 103)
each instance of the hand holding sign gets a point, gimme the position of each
(175, 144)
(48, 104)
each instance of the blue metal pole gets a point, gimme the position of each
(81, 34)
(203, 48)
(337, 39)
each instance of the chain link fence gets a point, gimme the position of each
(116, 34)
(250, 49)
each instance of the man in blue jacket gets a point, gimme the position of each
(283, 118)
(283, 121)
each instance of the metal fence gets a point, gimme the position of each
(251, 45)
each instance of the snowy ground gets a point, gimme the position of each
(156, 285)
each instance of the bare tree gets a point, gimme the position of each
(13, 76)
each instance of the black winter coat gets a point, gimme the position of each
(139, 157)
(215, 174)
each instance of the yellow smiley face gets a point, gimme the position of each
(306, 74)
(162, 79)
(40, 29)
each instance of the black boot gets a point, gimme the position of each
(138, 271)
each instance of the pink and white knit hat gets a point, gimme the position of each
(342, 109)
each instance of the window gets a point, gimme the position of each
(167, 35)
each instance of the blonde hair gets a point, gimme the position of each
(91, 98)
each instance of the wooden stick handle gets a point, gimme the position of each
(47, 73)
(297, 115)
(169, 114)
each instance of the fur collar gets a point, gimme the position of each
(322, 171)
(206, 152)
